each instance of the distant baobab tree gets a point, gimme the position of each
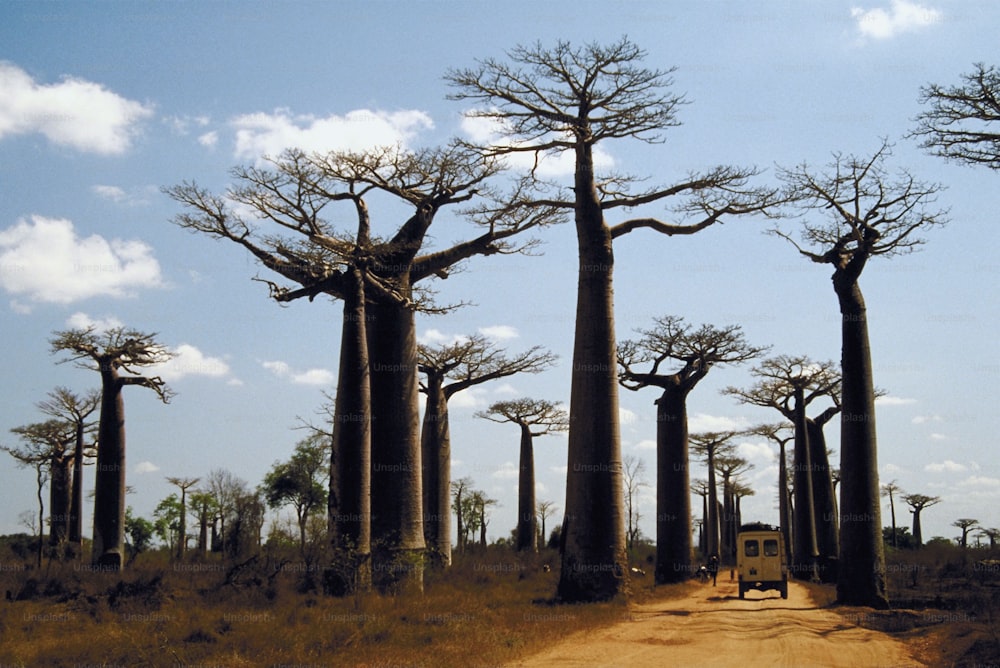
(966, 525)
(891, 489)
(75, 409)
(710, 445)
(117, 354)
(572, 99)
(675, 357)
(534, 417)
(450, 369)
(917, 503)
(780, 433)
(182, 484)
(851, 213)
(42, 443)
(963, 122)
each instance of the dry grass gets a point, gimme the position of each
(487, 610)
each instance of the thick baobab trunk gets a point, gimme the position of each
(673, 490)
(784, 503)
(108, 550)
(435, 451)
(712, 539)
(918, 537)
(76, 502)
(527, 522)
(397, 504)
(594, 561)
(59, 500)
(824, 503)
(861, 568)
(349, 501)
(806, 551)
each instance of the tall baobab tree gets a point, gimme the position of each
(966, 525)
(677, 357)
(461, 491)
(700, 487)
(545, 510)
(790, 384)
(891, 489)
(917, 503)
(182, 484)
(780, 433)
(117, 354)
(711, 445)
(64, 404)
(377, 279)
(546, 101)
(963, 122)
(450, 369)
(205, 509)
(534, 417)
(862, 212)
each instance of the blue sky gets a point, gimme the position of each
(102, 104)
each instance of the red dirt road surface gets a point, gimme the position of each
(713, 627)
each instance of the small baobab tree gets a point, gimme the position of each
(729, 467)
(917, 503)
(780, 433)
(633, 470)
(891, 489)
(675, 357)
(851, 213)
(117, 353)
(534, 417)
(34, 453)
(963, 122)
(711, 445)
(183, 484)
(546, 509)
(966, 525)
(547, 101)
(449, 369)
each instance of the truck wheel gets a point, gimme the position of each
(742, 592)
(784, 590)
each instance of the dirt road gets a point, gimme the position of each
(713, 627)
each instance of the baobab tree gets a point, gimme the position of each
(729, 467)
(676, 357)
(790, 384)
(34, 453)
(377, 410)
(546, 101)
(917, 503)
(700, 487)
(545, 510)
(963, 122)
(862, 212)
(51, 442)
(64, 404)
(117, 354)
(890, 489)
(966, 525)
(534, 417)
(780, 433)
(448, 370)
(461, 491)
(205, 510)
(183, 484)
(710, 445)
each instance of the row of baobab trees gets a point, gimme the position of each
(543, 101)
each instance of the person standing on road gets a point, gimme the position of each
(713, 567)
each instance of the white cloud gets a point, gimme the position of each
(506, 389)
(938, 437)
(921, 419)
(46, 261)
(887, 400)
(187, 360)
(120, 196)
(474, 397)
(262, 134)
(646, 444)
(308, 377)
(507, 470)
(81, 320)
(901, 17)
(946, 465)
(625, 416)
(499, 332)
(488, 131)
(145, 467)
(76, 113)
(181, 125)
(755, 452)
(435, 337)
(209, 139)
(704, 422)
(980, 481)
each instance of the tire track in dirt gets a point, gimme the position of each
(713, 627)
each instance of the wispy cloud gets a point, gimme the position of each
(947, 465)
(499, 332)
(902, 16)
(888, 400)
(145, 467)
(119, 195)
(704, 422)
(45, 260)
(307, 377)
(187, 360)
(76, 113)
(80, 320)
(262, 134)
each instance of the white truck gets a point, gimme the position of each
(761, 560)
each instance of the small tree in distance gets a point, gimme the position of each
(535, 417)
(300, 482)
(917, 503)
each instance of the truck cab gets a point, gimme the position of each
(761, 560)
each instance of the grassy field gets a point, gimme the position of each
(491, 607)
